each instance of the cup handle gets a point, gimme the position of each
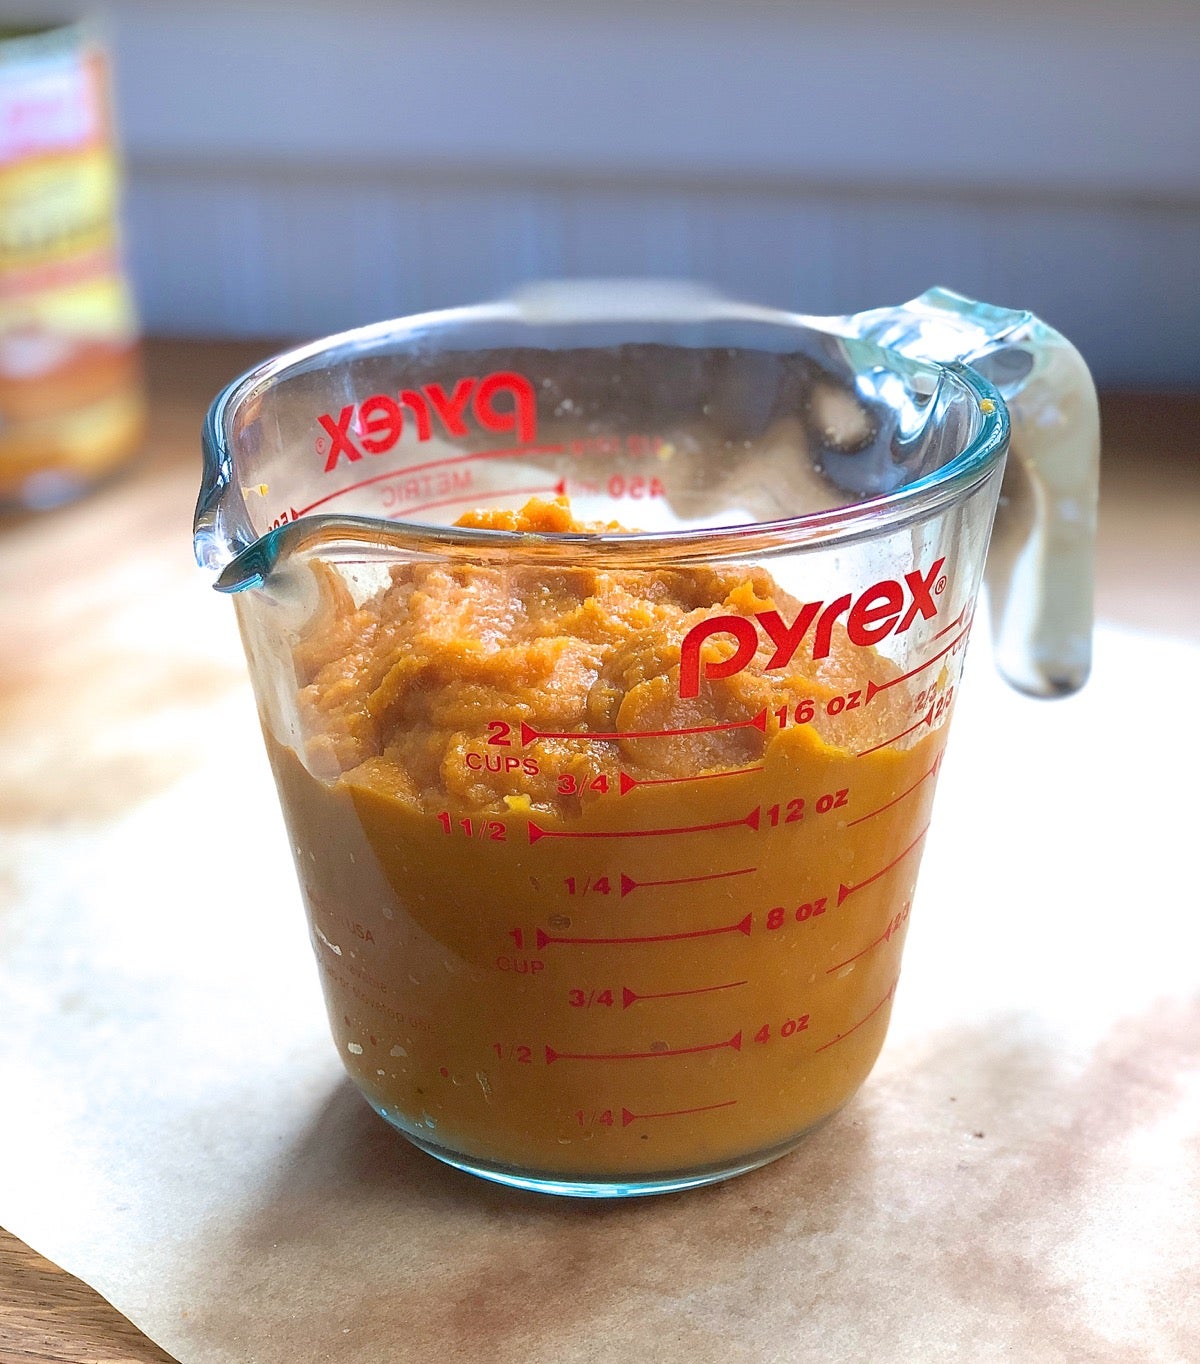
(1040, 565)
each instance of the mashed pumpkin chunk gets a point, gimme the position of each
(571, 920)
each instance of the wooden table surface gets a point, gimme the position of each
(1148, 571)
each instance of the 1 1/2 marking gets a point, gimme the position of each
(488, 830)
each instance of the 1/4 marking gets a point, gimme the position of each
(629, 884)
(627, 1117)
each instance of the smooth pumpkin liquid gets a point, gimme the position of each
(553, 939)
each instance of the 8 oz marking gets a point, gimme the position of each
(810, 909)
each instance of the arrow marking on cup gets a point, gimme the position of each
(743, 926)
(559, 488)
(925, 720)
(629, 996)
(843, 1035)
(629, 884)
(449, 460)
(627, 1117)
(750, 821)
(529, 734)
(627, 783)
(551, 1055)
(874, 688)
(845, 892)
(937, 762)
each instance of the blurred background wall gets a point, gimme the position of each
(294, 168)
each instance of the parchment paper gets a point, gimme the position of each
(1018, 1180)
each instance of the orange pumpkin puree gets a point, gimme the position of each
(594, 957)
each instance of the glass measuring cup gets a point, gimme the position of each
(607, 815)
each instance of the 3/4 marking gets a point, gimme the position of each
(629, 996)
(627, 783)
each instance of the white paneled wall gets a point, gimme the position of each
(297, 168)
(242, 254)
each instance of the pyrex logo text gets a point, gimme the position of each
(884, 608)
(378, 421)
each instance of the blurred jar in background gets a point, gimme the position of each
(71, 400)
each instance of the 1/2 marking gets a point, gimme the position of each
(734, 1042)
(750, 820)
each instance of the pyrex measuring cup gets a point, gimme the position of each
(607, 802)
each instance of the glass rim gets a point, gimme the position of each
(247, 564)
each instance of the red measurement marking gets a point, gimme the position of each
(627, 1117)
(954, 624)
(560, 488)
(627, 783)
(529, 734)
(937, 762)
(628, 997)
(551, 1055)
(628, 883)
(742, 926)
(434, 464)
(885, 936)
(843, 1035)
(536, 831)
(926, 719)
(844, 892)
(874, 688)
